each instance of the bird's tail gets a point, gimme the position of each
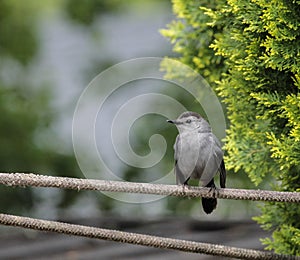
(209, 204)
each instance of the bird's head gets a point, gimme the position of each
(191, 121)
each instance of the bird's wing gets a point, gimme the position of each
(212, 161)
(222, 168)
(180, 177)
(217, 142)
(176, 148)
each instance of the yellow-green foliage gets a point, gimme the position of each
(250, 52)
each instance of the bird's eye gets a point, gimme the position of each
(189, 121)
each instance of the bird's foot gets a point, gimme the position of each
(215, 191)
(185, 187)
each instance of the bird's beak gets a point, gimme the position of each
(175, 122)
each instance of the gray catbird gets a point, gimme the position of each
(198, 155)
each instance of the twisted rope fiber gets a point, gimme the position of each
(138, 239)
(36, 180)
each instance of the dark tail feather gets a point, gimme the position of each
(209, 204)
(222, 174)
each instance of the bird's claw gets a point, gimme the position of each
(215, 191)
(184, 187)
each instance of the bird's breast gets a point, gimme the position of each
(193, 150)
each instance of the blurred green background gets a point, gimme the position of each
(49, 51)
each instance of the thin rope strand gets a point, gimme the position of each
(36, 180)
(139, 239)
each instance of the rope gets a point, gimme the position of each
(22, 179)
(139, 239)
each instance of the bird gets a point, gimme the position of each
(198, 155)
